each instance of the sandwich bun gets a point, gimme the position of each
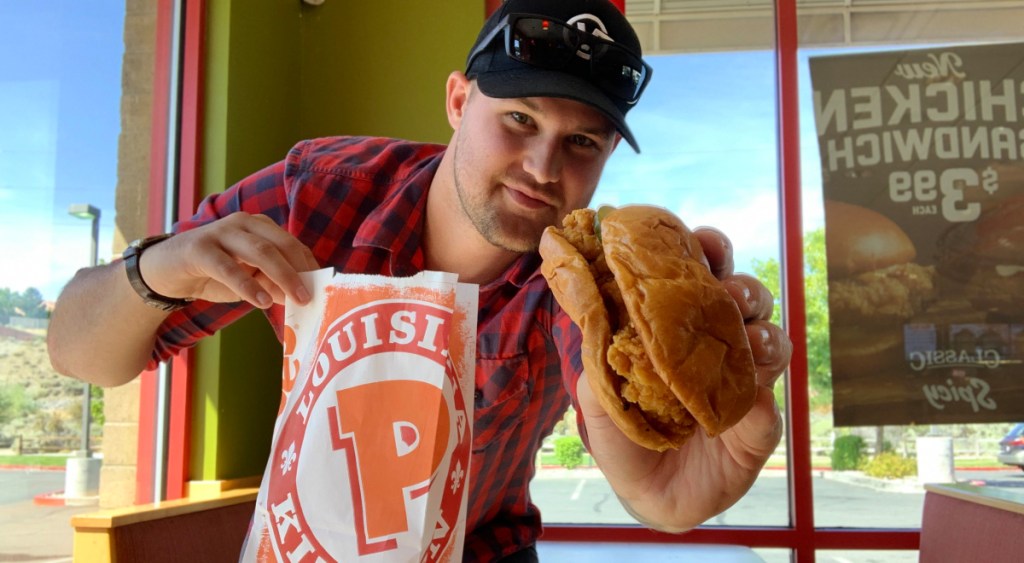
(664, 344)
(872, 275)
(860, 240)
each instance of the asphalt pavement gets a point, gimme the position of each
(29, 531)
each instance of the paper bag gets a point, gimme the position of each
(371, 446)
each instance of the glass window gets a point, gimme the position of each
(706, 130)
(60, 94)
(903, 401)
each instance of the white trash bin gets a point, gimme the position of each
(935, 460)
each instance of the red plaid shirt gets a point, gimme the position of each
(359, 204)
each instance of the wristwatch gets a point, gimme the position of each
(131, 256)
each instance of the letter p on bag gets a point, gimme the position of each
(392, 464)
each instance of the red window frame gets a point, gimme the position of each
(189, 123)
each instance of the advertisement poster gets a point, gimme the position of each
(923, 182)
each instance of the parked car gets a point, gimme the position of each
(1011, 447)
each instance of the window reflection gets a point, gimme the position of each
(60, 121)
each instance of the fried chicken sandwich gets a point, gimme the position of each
(664, 345)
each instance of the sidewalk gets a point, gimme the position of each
(30, 531)
(36, 533)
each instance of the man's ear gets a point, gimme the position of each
(456, 96)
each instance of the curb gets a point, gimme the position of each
(861, 480)
(55, 498)
(32, 468)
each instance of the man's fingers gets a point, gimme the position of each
(259, 242)
(277, 274)
(298, 254)
(752, 297)
(772, 350)
(770, 346)
(277, 295)
(239, 257)
(717, 249)
(228, 280)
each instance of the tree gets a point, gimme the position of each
(6, 305)
(31, 304)
(15, 403)
(96, 405)
(28, 303)
(819, 361)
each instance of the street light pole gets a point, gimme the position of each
(86, 211)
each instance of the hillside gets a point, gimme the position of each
(35, 401)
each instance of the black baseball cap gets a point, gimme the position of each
(604, 70)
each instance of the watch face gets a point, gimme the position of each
(132, 249)
(137, 245)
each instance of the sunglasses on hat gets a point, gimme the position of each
(555, 45)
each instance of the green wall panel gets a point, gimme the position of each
(278, 72)
(379, 68)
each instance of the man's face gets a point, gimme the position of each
(522, 164)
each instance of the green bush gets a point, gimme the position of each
(15, 403)
(890, 465)
(569, 451)
(847, 452)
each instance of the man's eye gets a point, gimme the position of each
(582, 141)
(519, 117)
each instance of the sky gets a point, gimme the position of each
(705, 125)
(60, 80)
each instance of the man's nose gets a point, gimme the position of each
(543, 160)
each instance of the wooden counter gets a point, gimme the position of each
(208, 529)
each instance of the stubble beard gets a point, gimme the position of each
(485, 217)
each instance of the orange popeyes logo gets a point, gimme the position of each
(404, 462)
(379, 408)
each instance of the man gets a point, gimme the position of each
(535, 118)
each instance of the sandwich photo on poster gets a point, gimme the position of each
(923, 186)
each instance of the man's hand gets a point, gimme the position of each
(677, 490)
(101, 331)
(240, 257)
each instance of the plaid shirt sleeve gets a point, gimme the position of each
(320, 193)
(261, 193)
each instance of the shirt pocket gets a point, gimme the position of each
(501, 402)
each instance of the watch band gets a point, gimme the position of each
(131, 256)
